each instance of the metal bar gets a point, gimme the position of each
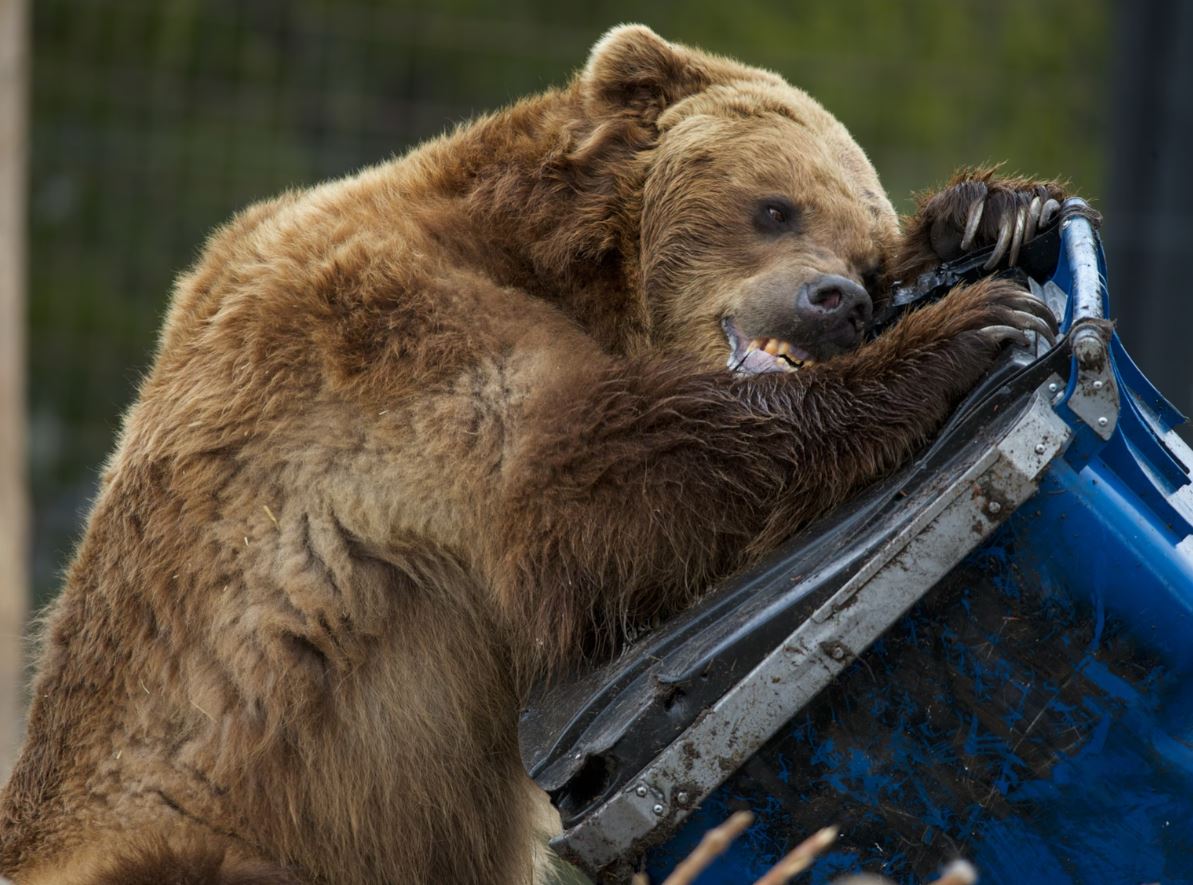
(1092, 394)
(1080, 244)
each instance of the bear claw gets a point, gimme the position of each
(997, 335)
(1031, 322)
(1012, 232)
(971, 223)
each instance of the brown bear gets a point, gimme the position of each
(417, 437)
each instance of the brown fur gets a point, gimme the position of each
(417, 436)
(162, 865)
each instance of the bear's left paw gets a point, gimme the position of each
(974, 213)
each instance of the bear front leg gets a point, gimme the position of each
(628, 493)
(976, 210)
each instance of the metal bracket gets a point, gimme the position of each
(1094, 396)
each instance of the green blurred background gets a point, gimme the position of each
(153, 121)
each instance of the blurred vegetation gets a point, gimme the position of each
(153, 122)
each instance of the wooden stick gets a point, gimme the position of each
(14, 43)
(717, 840)
(711, 847)
(800, 857)
(959, 872)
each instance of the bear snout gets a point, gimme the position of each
(784, 321)
(836, 304)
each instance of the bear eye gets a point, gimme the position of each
(775, 215)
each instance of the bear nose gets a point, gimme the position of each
(834, 297)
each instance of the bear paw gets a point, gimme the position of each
(976, 212)
(1011, 312)
(978, 319)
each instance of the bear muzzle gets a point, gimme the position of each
(828, 315)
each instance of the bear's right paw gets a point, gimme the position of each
(988, 314)
(1015, 312)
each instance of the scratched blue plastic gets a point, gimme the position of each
(1099, 541)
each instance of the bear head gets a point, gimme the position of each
(763, 231)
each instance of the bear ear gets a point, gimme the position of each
(633, 69)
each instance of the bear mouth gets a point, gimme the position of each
(759, 356)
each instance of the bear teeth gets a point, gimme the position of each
(784, 351)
